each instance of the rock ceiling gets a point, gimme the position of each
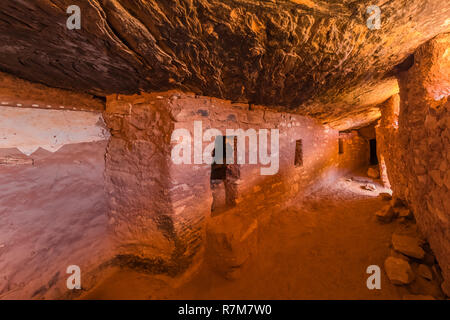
(313, 57)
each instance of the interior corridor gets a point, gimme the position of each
(238, 149)
(316, 248)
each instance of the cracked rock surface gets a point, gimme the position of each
(313, 57)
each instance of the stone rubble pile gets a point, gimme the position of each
(411, 264)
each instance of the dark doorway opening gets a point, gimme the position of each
(373, 152)
(298, 153)
(219, 154)
(341, 145)
(224, 174)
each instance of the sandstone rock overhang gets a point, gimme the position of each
(311, 57)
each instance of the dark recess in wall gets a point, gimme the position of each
(341, 145)
(373, 152)
(299, 153)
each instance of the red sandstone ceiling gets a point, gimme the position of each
(314, 57)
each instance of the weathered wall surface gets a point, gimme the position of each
(387, 141)
(52, 199)
(52, 215)
(159, 209)
(356, 151)
(320, 157)
(137, 180)
(418, 150)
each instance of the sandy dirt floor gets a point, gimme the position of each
(318, 248)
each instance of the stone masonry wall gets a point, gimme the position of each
(387, 141)
(356, 151)
(419, 149)
(159, 210)
(137, 181)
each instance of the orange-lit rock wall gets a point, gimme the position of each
(356, 151)
(419, 149)
(52, 215)
(20, 93)
(137, 180)
(52, 200)
(387, 142)
(159, 210)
